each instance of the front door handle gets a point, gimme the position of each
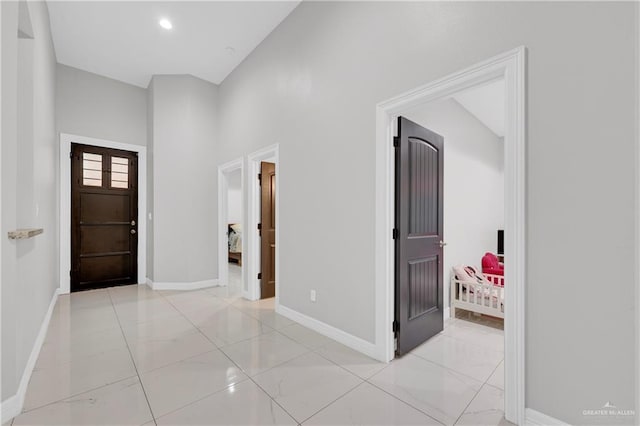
(133, 223)
(133, 231)
(442, 244)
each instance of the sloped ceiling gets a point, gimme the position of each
(124, 41)
(486, 103)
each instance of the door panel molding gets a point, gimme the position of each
(511, 66)
(64, 225)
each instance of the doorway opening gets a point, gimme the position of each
(449, 212)
(231, 249)
(510, 67)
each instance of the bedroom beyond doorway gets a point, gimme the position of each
(230, 226)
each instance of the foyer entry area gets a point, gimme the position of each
(130, 355)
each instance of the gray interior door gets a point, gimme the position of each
(418, 235)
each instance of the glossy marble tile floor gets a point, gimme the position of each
(133, 356)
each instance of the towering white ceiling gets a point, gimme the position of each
(124, 41)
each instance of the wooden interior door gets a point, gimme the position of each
(267, 230)
(418, 235)
(104, 212)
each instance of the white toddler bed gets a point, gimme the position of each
(476, 292)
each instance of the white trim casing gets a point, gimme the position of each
(12, 406)
(195, 285)
(223, 221)
(65, 203)
(2, 407)
(536, 418)
(270, 153)
(511, 67)
(637, 215)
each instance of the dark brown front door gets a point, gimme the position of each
(268, 230)
(104, 214)
(419, 229)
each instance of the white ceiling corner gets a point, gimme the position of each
(123, 40)
(487, 104)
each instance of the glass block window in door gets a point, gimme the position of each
(119, 172)
(91, 169)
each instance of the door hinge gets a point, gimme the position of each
(71, 155)
(395, 233)
(396, 141)
(260, 178)
(259, 275)
(395, 326)
(260, 229)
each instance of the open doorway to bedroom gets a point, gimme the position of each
(449, 208)
(235, 213)
(411, 283)
(471, 123)
(231, 214)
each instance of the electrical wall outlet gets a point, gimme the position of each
(312, 296)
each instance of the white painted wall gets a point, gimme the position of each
(312, 87)
(235, 206)
(184, 179)
(473, 183)
(91, 105)
(234, 201)
(29, 186)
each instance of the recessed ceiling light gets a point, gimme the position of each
(166, 24)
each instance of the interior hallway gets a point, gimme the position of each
(131, 355)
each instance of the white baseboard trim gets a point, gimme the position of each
(247, 295)
(12, 406)
(195, 285)
(354, 342)
(536, 418)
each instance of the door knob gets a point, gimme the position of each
(133, 231)
(442, 244)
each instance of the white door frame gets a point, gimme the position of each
(637, 216)
(271, 154)
(65, 203)
(511, 67)
(223, 221)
